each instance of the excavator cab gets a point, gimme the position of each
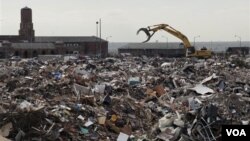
(203, 53)
(190, 50)
(203, 48)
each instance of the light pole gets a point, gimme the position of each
(96, 35)
(100, 32)
(195, 38)
(108, 38)
(236, 36)
(165, 38)
(1, 20)
(97, 28)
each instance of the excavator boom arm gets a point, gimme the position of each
(190, 52)
(172, 31)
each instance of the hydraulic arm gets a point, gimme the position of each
(151, 30)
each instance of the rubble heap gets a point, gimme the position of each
(132, 98)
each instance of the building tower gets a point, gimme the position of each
(26, 31)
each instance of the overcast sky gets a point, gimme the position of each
(213, 20)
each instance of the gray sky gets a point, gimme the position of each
(213, 20)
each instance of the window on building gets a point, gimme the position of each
(16, 53)
(86, 50)
(25, 54)
(43, 52)
(52, 52)
(34, 54)
(2, 55)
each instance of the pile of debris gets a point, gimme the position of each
(131, 98)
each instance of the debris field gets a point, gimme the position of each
(123, 99)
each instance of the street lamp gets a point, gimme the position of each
(100, 32)
(195, 38)
(96, 36)
(97, 28)
(236, 36)
(108, 38)
(100, 35)
(165, 38)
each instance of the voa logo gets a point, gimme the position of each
(236, 132)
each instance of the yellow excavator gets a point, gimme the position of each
(190, 50)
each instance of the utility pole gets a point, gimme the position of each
(96, 41)
(100, 21)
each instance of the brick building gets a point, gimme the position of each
(27, 45)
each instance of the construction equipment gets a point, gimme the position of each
(190, 50)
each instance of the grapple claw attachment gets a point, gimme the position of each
(146, 31)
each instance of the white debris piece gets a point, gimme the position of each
(3, 138)
(166, 64)
(81, 117)
(165, 122)
(79, 89)
(108, 74)
(122, 137)
(247, 60)
(5, 130)
(25, 106)
(99, 88)
(28, 77)
(65, 107)
(179, 122)
(201, 89)
(213, 76)
(88, 123)
(245, 122)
